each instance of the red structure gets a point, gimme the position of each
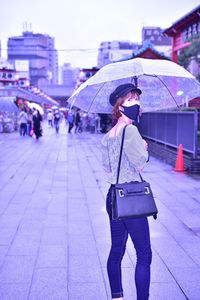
(85, 74)
(195, 102)
(8, 77)
(182, 30)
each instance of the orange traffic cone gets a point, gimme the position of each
(179, 167)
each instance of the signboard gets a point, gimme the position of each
(22, 68)
(22, 65)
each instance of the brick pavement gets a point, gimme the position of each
(54, 231)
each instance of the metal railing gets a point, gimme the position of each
(172, 129)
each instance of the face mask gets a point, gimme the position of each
(132, 112)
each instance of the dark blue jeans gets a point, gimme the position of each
(138, 229)
(23, 129)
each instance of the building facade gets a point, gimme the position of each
(39, 50)
(155, 35)
(112, 51)
(69, 75)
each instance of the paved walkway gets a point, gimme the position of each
(54, 231)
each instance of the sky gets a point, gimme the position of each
(79, 26)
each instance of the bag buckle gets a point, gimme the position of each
(146, 190)
(121, 193)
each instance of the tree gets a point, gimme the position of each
(191, 52)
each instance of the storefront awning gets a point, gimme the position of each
(27, 95)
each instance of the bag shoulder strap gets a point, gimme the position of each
(120, 156)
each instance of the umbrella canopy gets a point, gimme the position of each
(54, 107)
(164, 84)
(7, 104)
(36, 106)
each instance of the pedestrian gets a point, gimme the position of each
(1, 122)
(78, 126)
(125, 102)
(23, 119)
(57, 121)
(65, 113)
(30, 122)
(37, 126)
(70, 120)
(50, 118)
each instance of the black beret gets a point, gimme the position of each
(121, 91)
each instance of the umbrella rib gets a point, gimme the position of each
(95, 96)
(167, 89)
(72, 104)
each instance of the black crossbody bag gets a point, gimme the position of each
(133, 199)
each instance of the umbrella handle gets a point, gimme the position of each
(135, 79)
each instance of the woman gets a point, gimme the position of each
(37, 119)
(125, 102)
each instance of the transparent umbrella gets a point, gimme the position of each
(7, 104)
(54, 107)
(33, 105)
(164, 84)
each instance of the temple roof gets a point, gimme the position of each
(149, 48)
(189, 19)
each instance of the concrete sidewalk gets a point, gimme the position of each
(54, 230)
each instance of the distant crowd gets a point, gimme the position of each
(8, 122)
(29, 121)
